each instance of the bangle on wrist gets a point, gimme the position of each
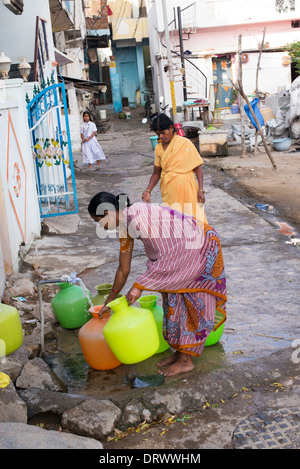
(201, 190)
(115, 291)
(148, 191)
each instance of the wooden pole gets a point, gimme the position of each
(241, 99)
(241, 91)
(256, 89)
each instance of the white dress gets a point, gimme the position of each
(91, 150)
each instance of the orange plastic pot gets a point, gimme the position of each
(94, 347)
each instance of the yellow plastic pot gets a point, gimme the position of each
(131, 332)
(11, 333)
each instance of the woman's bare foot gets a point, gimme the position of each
(169, 360)
(183, 364)
(98, 162)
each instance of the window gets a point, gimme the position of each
(143, 12)
(16, 6)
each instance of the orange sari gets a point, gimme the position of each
(178, 184)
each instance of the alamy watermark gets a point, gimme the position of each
(166, 223)
(296, 353)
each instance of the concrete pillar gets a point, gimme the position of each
(141, 70)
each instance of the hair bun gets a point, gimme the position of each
(123, 201)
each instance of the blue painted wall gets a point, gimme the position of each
(115, 88)
(131, 71)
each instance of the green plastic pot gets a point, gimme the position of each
(216, 335)
(149, 302)
(71, 306)
(102, 291)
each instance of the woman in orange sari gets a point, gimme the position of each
(178, 167)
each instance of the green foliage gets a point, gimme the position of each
(235, 94)
(293, 50)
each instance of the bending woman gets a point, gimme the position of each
(178, 167)
(185, 264)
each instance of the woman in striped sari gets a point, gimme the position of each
(185, 264)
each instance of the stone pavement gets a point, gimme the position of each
(257, 355)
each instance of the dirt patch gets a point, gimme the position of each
(255, 176)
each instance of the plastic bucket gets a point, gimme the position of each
(282, 144)
(154, 141)
(102, 114)
(256, 111)
(234, 108)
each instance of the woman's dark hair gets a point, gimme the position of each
(161, 122)
(104, 201)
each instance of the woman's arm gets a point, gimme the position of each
(152, 183)
(121, 276)
(199, 176)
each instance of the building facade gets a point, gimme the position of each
(211, 31)
(26, 37)
(130, 65)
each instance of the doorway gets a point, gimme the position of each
(222, 75)
(129, 82)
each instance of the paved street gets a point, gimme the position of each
(262, 309)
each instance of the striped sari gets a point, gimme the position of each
(185, 264)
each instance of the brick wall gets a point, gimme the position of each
(93, 8)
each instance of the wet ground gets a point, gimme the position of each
(221, 403)
(262, 270)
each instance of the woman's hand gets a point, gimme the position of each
(104, 310)
(133, 295)
(201, 197)
(146, 196)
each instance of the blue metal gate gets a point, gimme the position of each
(52, 151)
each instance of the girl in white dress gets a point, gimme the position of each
(91, 150)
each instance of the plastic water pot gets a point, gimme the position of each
(102, 291)
(149, 302)
(154, 141)
(118, 295)
(234, 108)
(71, 306)
(94, 347)
(11, 333)
(216, 335)
(256, 111)
(282, 144)
(131, 332)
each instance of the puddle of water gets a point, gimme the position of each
(70, 366)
